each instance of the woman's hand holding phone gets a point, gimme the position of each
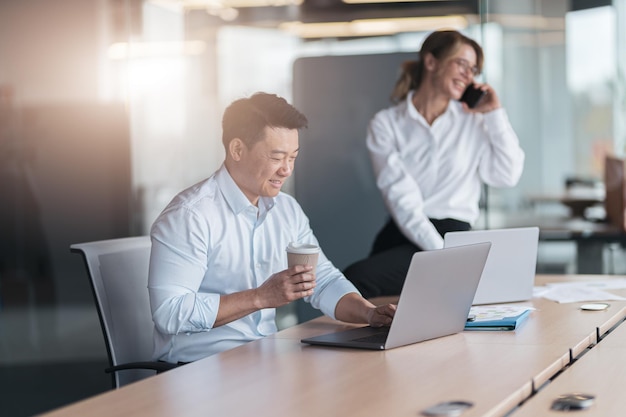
(480, 98)
(472, 95)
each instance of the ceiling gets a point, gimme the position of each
(413, 13)
(335, 18)
(336, 10)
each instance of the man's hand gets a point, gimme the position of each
(352, 308)
(286, 286)
(381, 315)
(280, 289)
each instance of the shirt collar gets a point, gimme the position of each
(454, 107)
(410, 108)
(233, 195)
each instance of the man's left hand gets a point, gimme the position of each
(381, 315)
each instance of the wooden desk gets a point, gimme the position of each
(599, 372)
(560, 324)
(280, 377)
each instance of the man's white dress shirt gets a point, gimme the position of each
(210, 240)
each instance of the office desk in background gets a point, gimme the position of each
(590, 237)
(577, 202)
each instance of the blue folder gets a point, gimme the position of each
(505, 323)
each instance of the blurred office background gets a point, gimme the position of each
(109, 107)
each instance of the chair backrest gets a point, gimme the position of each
(118, 271)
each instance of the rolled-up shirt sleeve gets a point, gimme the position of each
(502, 165)
(331, 287)
(177, 268)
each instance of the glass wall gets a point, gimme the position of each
(559, 84)
(557, 79)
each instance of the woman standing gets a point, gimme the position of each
(431, 153)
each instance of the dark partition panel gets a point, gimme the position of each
(334, 181)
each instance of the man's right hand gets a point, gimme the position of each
(280, 289)
(286, 286)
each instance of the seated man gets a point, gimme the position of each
(217, 267)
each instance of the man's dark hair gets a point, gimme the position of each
(247, 118)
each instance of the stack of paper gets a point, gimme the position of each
(572, 292)
(496, 317)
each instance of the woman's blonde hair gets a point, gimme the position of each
(441, 44)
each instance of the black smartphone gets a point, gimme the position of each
(472, 96)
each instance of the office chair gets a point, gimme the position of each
(118, 272)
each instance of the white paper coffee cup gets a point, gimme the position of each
(302, 254)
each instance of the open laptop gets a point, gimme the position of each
(434, 302)
(509, 274)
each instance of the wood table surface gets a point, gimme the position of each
(279, 376)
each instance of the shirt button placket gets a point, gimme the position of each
(255, 253)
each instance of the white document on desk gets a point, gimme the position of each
(572, 292)
(497, 311)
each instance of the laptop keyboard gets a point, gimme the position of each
(373, 338)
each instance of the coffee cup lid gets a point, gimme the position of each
(305, 248)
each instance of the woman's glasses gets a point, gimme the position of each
(466, 66)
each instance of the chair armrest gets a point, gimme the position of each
(153, 365)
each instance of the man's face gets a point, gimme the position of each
(263, 168)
